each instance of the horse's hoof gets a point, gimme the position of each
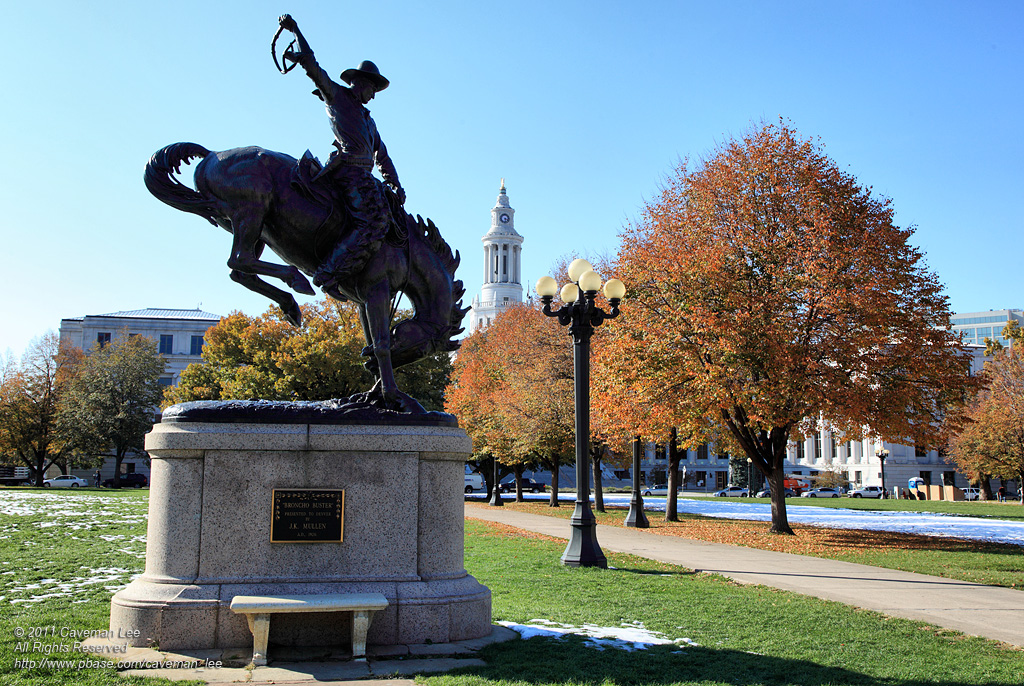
(300, 284)
(293, 314)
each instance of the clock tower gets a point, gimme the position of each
(503, 285)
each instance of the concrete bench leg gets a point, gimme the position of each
(360, 625)
(259, 625)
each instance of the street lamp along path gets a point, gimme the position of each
(582, 315)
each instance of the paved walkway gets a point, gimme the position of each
(989, 611)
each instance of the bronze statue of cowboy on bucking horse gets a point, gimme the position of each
(336, 223)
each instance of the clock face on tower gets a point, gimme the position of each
(504, 218)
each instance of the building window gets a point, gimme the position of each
(927, 476)
(103, 338)
(835, 447)
(800, 449)
(166, 344)
(197, 345)
(165, 381)
(817, 447)
(856, 477)
(920, 452)
(702, 451)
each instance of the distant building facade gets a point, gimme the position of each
(179, 334)
(502, 275)
(975, 327)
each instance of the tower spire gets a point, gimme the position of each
(502, 274)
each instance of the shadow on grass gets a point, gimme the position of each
(571, 661)
(860, 539)
(654, 572)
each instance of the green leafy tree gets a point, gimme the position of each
(266, 358)
(31, 394)
(112, 402)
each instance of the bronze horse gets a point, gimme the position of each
(250, 193)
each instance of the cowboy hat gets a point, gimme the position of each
(370, 71)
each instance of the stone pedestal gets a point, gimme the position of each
(210, 534)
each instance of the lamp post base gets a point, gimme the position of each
(583, 549)
(636, 518)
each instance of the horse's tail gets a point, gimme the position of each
(432, 237)
(160, 181)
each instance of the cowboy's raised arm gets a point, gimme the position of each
(387, 167)
(304, 57)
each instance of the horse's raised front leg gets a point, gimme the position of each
(283, 299)
(246, 247)
(377, 325)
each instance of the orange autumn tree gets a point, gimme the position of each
(992, 443)
(512, 391)
(767, 292)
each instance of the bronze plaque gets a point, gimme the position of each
(308, 515)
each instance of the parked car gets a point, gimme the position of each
(866, 492)
(767, 493)
(972, 493)
(656, 489)
(821, 493)
(529, 486)
(474, 482)
(65, 481)
(133, 479)
(733, 492)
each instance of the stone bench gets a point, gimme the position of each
(257, 610)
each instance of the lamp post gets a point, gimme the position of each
(882, 453)
(496, 500)
(750, 483)
(636, 518)
(581, 315)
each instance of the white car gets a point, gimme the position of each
(474, 482)
(733, 492)
(821, 493)
(972, 493)
(866, 492)
(65, 481)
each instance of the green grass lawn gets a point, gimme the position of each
(983, 562)
(64, 553)
(746, 635)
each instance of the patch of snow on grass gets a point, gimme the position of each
(629, 637)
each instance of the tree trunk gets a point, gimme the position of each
(518, 469)
(985, 484)
(118, 459)
(780, 521)
(37, 467)
(552, 464)
(595, 457)
(671, 505)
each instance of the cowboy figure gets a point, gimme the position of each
(359, 148)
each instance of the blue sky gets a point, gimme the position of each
(583, 107)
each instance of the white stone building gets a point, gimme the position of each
(502, 276)
(179, 334)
